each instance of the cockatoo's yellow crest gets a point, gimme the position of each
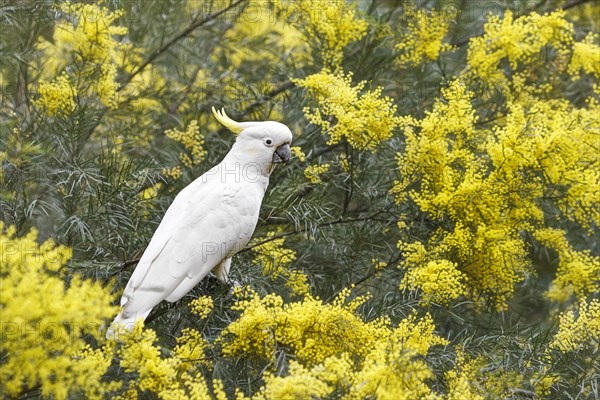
(227, 122)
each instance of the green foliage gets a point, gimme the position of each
(435, 235)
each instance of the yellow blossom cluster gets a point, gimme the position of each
(202, 306)
(461, 379)
(363, 117)
(276, 261)
(439, 280)
(313, 172)
(482, 183)
(56, 96)
(445, 176)
(543, 383)
(560, 145)
(429, 154)
(520, 41)
(256, 23)
(301, 383)
(151, 192)
(193, 142)
(335, 351)
(332, 24)
(578, 271)
(344, 163)
(43, 321)
(255, 44)
(581, 331)
(586, 56)
(190, 349)
(472, 379)
(168, 377)
(85, 42)
(298, 153)
(378, 264)
(422, 35)
(490, 185)
(173, 172)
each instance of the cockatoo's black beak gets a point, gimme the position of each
(282, 154)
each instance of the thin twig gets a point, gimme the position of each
(574, 4)
(394, 261)
(124, 265)
(278, 90)
(321, 225)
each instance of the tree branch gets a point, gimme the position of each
(321, 225)
(574, 4)
(338, 221)
(193, 26)
(278, 90)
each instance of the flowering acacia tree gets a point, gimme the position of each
(434, 237)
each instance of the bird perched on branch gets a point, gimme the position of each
(209, 221)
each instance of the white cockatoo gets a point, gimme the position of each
(209, 221)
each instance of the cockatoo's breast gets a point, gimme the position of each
(239, 210)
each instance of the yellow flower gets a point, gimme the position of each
(86, 43)
(57, 96)
(313, 172)
(298, 153)
(421, 39)
(202, 306)
(586, 56)
(276, 261)
(332, 25)
(517, 40)
(278, 38)
(574, 333)
(190, 349)
(173, 172)
(345, 164)
(151, 192)
(171, 377)
(333, 348)
(462, 379)
(44, 321)
(578, 271)
(193, 142)
(440, 281)
(300, 383)
(491, 183)
(543, 383)
(364, 118)
(378, 265)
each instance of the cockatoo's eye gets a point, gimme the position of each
(268, 142)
